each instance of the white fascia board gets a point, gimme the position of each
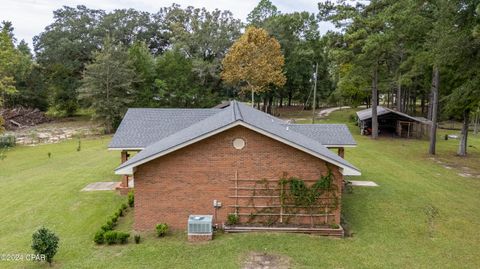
(344, 167)
(340, 146)
(128, 149)
(127, 170)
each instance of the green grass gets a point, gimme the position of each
(388, 222)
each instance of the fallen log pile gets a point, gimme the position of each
(21, 117)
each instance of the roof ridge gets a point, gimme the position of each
(237, 113)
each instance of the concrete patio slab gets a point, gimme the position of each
(364, 183)
(101, 186)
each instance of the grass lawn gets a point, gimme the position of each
(388, 222)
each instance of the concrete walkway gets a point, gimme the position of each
(363, 183)
(101, 186)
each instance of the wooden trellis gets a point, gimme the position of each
(263, 198)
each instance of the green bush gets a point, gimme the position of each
(232, 219)
(334, 226)
(120, 212)
(99, 237)
(162, 229)
(114, 218)
(111, 237)
(122, 237)
(111, 224)
(45, 242)
(106, 227)
(124, 206)
(131, 199)
(7, 141)
(137, 238)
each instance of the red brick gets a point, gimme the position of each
(185, 182)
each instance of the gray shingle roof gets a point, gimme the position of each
(233, 115)
(143, 126)
(327, 134)
(367, 114)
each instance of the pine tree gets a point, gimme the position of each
(107, 84)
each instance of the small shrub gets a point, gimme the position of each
(232, 219)
(124, 206)
(106, 227)
(99, 237)
(334, 226)
(352, 118)
(49, 155)
(114, 218)
(111, 224)
(45, 242)
(162, 229)
(7, 141)
(431, 213)
(111, 237)
(137, 238)
(131, 199)
(120, 212)
(122, 237)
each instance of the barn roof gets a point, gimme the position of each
(237, 114)
(367, 114)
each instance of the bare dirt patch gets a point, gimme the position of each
(261, 260)
(56, 131)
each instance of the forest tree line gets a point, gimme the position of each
(171, 58)
(417, 56)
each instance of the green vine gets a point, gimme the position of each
(296, 197)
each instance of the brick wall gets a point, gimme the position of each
(187, 181)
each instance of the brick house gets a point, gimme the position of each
(187, 158)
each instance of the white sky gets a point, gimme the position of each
(30, 17)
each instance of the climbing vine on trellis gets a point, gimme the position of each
(296, 198)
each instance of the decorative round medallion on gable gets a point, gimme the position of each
(238, 143)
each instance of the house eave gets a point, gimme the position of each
(128, 170)
(128, 149)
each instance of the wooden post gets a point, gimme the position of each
(281, 203)
(236, 192)
(124, 158)
(341, 152)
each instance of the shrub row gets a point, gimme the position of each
(106, 233)
(131, 199)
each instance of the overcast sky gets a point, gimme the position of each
(29, 17)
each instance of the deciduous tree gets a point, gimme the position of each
(254, 62)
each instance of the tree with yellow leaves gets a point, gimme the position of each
(254, 62)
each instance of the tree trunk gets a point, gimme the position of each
(462, 148)
(270, 105)
(399, 97)
(475, 123)
(374, 103)
(430, 102)
(414, 102)
(434, 110)
(422, 104)
(290, 98)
